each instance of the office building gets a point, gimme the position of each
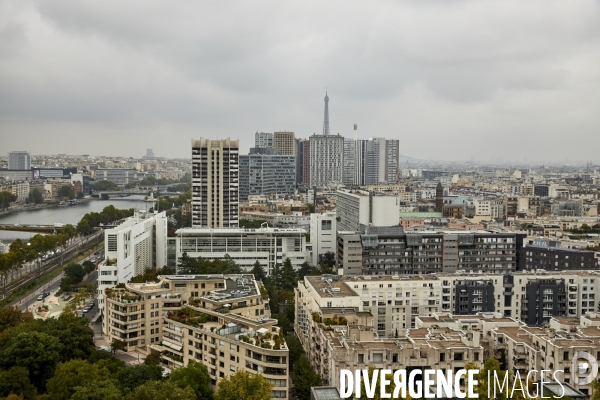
(285, 143)
(149, 153)
(221, 321)
(326, 159)
(215, 183)
(120, 176)
(132, 248)
(266, 173)
(245, 246)
(263, 139)
(359, 207)
(19, 160)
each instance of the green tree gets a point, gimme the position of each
(195, 376)
(289, 279)
(117, 344)
(244, 385)
(6, 198)
(152, 359)
(12, 316)
(7, 260)
(304, 377)
(295, 349)
(66, 192)
(103, 390)
(35, 196)
(16, 380)
(69, 375)
(311, 208)
(162, 390)
(74, 334)
(131, 378)
(283, 322)
(258, 271)
(492, 365)
(37, 352)
(305, 269)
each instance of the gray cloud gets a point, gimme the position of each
(451, 80)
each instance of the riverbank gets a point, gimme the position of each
(36, 207)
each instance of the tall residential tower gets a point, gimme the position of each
(215, 183)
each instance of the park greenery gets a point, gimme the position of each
(66, 192)
(56, 359)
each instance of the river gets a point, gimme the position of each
(65, 215)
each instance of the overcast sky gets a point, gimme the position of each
(450, 79)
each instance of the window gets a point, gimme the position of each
(361, 358)
(378, 357)
(326, 225)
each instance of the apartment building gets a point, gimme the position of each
(132, 248)
(326, 156)
(549, 349)
(549, 255)
(245, 246)
(263, 139)
(427, 252)
(339, 331)
(215, 183)
(359, 207)
(285, 143)
(222, 321)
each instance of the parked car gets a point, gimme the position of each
(40, 297)
(85, 310)
(81, 315)
(105, 348)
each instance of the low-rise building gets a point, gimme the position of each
(245, 246)
(222, 321)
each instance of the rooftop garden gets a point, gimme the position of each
(329, 321)
(121, 295)
(190, 317)
(265, 341)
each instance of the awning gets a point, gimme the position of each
(262, 331)
(171, 345)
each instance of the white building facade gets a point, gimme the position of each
(132, 248)
(269, 246)
(323, 228)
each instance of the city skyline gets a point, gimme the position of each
(445, 79)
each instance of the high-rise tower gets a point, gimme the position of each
(215, 183)
(326, 119)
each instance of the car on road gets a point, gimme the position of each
(105, 348)
(85, 310)
(40, 297)
(46, 294)
(81, 315)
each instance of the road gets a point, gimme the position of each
(30, 301)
